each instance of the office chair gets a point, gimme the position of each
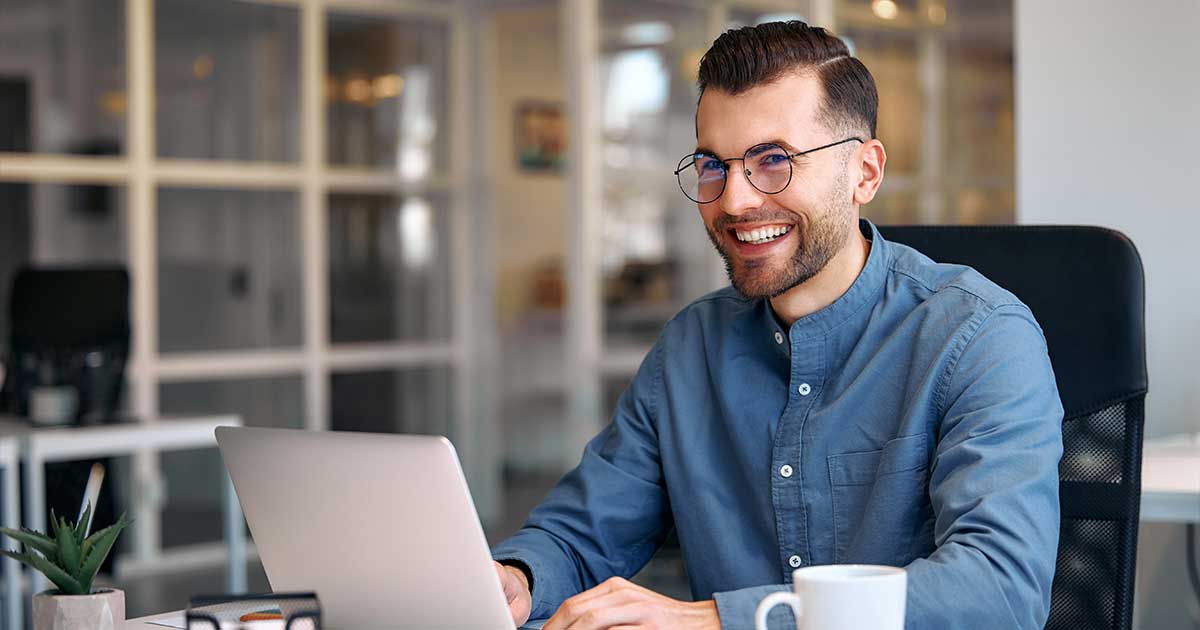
(70, 325)
(1085, 287)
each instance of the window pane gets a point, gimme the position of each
(55, 225)
(412, 400)
(389, 267)
(655, 256)
(386, 93)
(62, 76)
(228, 270)
(227, 76)
(195, 477)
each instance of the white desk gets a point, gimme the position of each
(10, 516)
(1171, 479)
(37, 446)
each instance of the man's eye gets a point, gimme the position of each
(773, 159)
(710, 166)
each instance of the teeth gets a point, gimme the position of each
(762, 235)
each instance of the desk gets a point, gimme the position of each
(1171, 479)
(10, 516)
(146, 623)
(37, 446)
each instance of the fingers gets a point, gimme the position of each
(615, 602)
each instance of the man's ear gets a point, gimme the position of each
(871, 159)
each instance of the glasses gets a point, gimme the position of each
(768, 168)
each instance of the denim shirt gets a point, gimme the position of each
(914, 422)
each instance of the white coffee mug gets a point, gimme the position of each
(842, 597)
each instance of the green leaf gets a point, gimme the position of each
(96, 549)
(81, 526)
(65, 583)
(69, 554)
(32, 539)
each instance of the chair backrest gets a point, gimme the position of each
(1085, 287)
(76, 321)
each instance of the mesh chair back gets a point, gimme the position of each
(1085, 287)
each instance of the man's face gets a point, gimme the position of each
(815, 212)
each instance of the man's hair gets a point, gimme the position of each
(751, 56)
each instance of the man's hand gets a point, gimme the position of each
(619, 603)
(516, 592)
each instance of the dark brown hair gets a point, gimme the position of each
(748, 57)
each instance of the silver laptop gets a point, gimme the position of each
(381, 527)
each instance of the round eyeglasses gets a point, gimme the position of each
(768, 167)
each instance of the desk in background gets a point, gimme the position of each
(37, 446)
(1171, 479)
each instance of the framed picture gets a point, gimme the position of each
(541, 136)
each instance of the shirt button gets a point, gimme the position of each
(778, 337)
(805, 389)
(795, 562)
(786, 471)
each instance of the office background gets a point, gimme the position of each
(458, 217)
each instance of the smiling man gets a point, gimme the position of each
(847, 400)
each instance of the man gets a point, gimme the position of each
(846, 401)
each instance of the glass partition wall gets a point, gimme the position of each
(285, 181)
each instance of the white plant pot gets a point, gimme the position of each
(102, 610)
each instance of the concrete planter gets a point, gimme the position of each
(102, 610)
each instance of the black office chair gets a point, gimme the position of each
(69, 325)
(1085, 287)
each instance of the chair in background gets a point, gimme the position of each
(1085, 287)
(69, 326)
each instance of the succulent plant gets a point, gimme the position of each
(68, 559)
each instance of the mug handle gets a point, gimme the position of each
(773, 600)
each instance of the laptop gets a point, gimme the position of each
(381, 527)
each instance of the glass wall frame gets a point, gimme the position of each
(312, 180)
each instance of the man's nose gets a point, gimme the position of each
(740, 196)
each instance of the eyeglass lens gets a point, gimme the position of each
(702, 176)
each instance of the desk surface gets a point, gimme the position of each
(1171, 479)
(148, 623)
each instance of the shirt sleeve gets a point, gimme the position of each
(993, 485)
(606, 517)
(736, 608)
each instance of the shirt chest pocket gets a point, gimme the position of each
(881, 502)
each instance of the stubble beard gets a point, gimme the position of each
(818, 243)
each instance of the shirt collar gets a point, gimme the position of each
(865, 290)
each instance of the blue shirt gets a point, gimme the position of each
(914, 422)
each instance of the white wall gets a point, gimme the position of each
(1108, 133)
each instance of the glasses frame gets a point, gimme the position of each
(745, 171)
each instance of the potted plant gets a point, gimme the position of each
(70, 559)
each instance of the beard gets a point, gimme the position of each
(817, 244)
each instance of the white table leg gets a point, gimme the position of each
(13, 603)
(235, 540)
(35, 506)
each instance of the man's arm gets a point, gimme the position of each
(606, 517)
(993, 485)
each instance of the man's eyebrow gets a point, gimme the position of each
(789, 147)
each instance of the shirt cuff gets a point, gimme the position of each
(536, 575)
(736, 608)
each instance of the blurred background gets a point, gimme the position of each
(460, 218)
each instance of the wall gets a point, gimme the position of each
(1108, 125)
(529, 207)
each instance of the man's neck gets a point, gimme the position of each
(828, 285)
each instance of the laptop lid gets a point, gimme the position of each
(381, 527)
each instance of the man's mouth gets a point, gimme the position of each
(762, 234)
